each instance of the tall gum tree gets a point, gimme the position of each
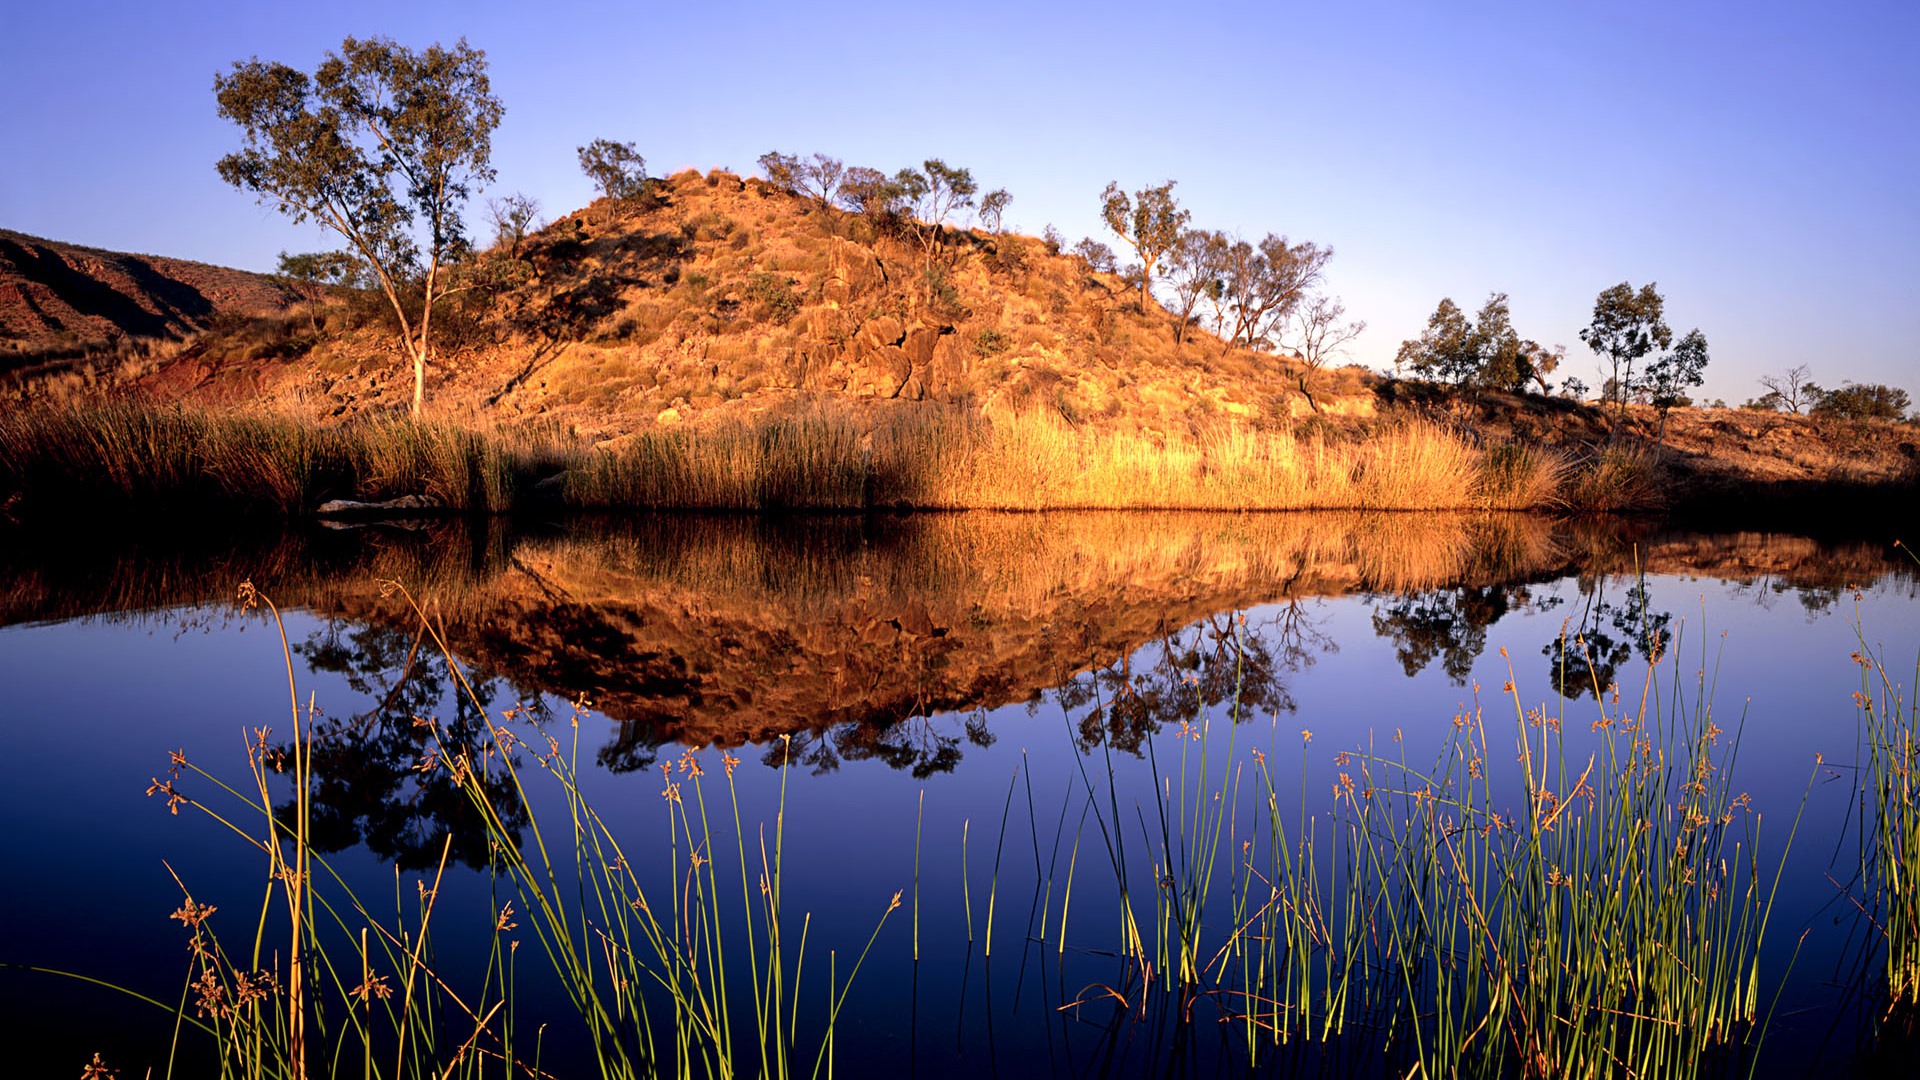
(1149, 221)
(381, 144)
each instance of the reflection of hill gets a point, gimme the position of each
(733, 629)
(702, 631)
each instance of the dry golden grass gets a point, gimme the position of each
(99, 457)
(935, 458)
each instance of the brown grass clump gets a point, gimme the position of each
(932, 458)
(97, 458)
(1616, 479)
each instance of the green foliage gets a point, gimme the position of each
(930, 197)
(1670, 377)
(1261, 286)
(1483, 353)
(990, 342)
(617, 169)
(1150, 221)
(782, 170)
(382, 145)
(1096, 255)
(775, 293)
(1196, 266)
(871, 193)
(1626, 326)
(1862, 401)
(993, 206)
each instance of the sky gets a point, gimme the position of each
(1757, 160)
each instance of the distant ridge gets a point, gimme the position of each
(59, 299)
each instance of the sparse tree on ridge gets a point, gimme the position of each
(1791, 390)
(1626, 326)
(1262, 285)
(1318, 332)
(1670, 377)
(993, 206)
(1862, 401)
(820, 178)
(1098, 256)
(869, 192)
(383, 145)
(1149, 221)
(1196, 267)
(1444, 351)
(1484, 352)
(616, 168)
(783, 170)
(512, 217)
(310, 273)
(933, 196)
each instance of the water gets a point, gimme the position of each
(964, 679)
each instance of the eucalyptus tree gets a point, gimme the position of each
(310, 273)
(616, 168)
(993, 206)
(1196, 270)
(931, 195)
(382, 145)
(1149, 221)
(1261, 285)
(1670, 377)
(1482, 352)
(512, 217)
(1319, 332)
(1626, 326)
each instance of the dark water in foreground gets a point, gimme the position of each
(950, 678)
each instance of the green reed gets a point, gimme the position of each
(326, 987)
(620, 949)
(1889, 717)
(1539, 903)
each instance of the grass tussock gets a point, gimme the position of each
(935, 458)
(116, 456)
(123, 455)
(1616, 479)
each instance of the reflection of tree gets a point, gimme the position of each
(385, 778)
(1587, 655)
(1217, 660)
(1450, 624)
(916, 743)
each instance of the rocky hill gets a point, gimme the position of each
(60, 300)
(720, 296)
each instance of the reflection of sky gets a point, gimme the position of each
(85, 887)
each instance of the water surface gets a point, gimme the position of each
(945, 677)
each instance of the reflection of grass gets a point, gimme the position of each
(1602, 918)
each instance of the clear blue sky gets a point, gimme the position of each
(1758, 160)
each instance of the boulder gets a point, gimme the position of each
(882, 331)
(404, 506)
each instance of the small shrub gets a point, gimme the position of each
(990, 342)
(774, 293)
